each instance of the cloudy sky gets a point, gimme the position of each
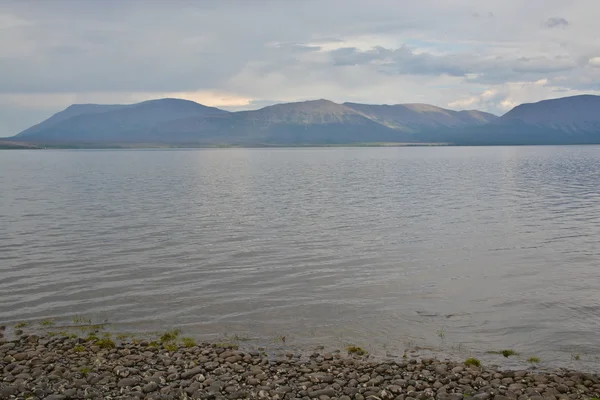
(459, 54)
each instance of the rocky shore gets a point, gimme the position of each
(55, 367)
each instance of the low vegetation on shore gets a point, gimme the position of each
(94, 365)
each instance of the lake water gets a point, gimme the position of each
(457, 249)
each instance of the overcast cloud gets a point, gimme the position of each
(482, 54)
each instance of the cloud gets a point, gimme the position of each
(504, 97)
(544, 64)
(401, 60)
(556, 23)
(49, 101)
(240, 54)
(594, 62)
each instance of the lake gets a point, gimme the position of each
(459, 250)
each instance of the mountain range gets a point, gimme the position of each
(179, 122)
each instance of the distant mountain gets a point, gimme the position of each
(309, 122)
(567, 120)
(182, 122)
(93, 123)
(415, 118)
(568, 114)
(71, 111)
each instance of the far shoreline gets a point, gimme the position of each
(10, 145)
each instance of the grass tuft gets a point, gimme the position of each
(81, 320)
(441, 333)
(505, 353)
(170, 336)
(227, 346)
(359, 351)
(85, 371)
(278, 339)
(171, 346)
(79, 348)
(92, 337)
(22, 324)
(508, 353)
(106, 343)
(188, 342)
(154, 344)
(472, 362)
(534, 360)
(47, 322)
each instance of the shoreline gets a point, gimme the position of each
(95, 364)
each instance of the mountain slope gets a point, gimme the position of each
(317, 121)
(417, 117)
(568, 114)
(567, 120)
(113, 123)
(69, 112)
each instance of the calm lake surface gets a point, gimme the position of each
(457, 249)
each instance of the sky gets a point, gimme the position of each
(489, 55)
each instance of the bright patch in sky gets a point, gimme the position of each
(488, 55)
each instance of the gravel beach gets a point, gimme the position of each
(68, 367)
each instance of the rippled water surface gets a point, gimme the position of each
(457, 249)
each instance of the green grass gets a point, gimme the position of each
(279, 339)
(508, 353)
(81, 320)
(85, 371)
(472, 362)
(505, 353)
(226, 345)
(154, 344)
(47, 322)
(122, 336)
(22, 325)
(534, 360)
(359, 351)
(188, 342)
(170, 346)
(170, 336)
(441, 333)
(576, 357)
(79, 348)
(106, 343)
(92, 337)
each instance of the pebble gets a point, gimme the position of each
(48, 368)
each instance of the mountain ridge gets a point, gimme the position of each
(574, 119)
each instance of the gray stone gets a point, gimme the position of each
(70, 393)
(150, 387)
(125, 382)
(324, 392)
(8, 346)
(8, 391)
